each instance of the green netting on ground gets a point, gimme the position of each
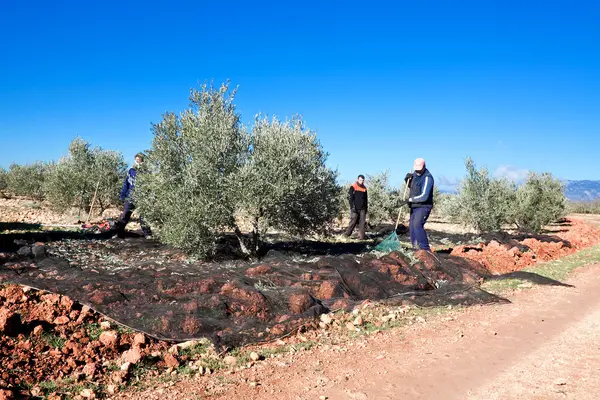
(389, 244)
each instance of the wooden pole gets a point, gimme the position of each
(93, 201)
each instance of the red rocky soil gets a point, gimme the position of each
(46, 336)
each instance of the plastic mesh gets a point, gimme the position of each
(159, 291)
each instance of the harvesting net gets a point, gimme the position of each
(161, 292)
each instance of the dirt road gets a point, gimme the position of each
(545, 345)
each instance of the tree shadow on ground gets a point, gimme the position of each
(11, 241)
(529, 277)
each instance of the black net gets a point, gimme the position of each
(159, 291)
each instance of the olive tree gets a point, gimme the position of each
(483, 203)
(28, 180)
(540, 200)
(284, 182)
(86, 170)
(192, 166)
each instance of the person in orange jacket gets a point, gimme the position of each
(359, 204)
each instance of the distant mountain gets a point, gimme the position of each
(582, 190)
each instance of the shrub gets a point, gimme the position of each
(539, 201)
(206, 170)
(28, 180)
(482, 203)
(75, 177)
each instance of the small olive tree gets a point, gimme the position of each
(539, 201)
(482, 202)
(284, 182)
(84, 171)
(28, 180)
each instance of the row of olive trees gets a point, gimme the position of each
(488, 204)
(72, 181)
(209, 175)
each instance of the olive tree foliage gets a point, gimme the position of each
(284, 182)
(84, 171)
(28, 180)
(539, 201)
(192, 167)
(3, 179)
(482, 202)
(207, 174)
(486, 204)
(384, 201)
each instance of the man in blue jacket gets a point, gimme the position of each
(420, 201)
(126, 197)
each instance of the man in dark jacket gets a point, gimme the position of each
(357, 196)
(126, 197)
(420, 201)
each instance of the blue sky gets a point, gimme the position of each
(514, 85)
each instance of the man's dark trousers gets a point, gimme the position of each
(128, 209)
(418, 237)
(357, 218)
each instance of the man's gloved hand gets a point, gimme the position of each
(407, 177)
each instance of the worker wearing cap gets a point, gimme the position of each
(127, 198)
(420, 201)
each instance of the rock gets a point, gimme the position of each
(88, 394)
(300, 302)
(105, 325)
(38, 251)
(254, 356)
(24, 251)
(90, 370)
(10, 322)
(326, 319)
(358, 321)
(109, 338)
(188, 344)
(174, 350)
(350, 326)
(61, 320)
(133, 355)
(37, 331)
(111, 389)
(139, 339)
(171, 361)
(125, 367)
(230, 360)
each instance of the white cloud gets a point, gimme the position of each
(511, 172)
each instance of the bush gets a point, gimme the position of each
(28, 180)
(482, 203)
(539, 201)
(205, 170)
(75, 177)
